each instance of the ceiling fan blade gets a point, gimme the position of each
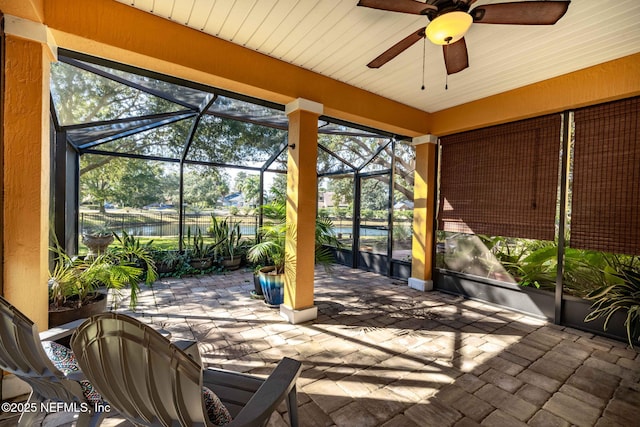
(404, 6)
(397, 49)
(521, 13)
(455, 56)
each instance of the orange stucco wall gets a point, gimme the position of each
(424, 193)
(26, 177)
(301, 208)
(32, 10)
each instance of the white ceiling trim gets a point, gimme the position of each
(337, 39)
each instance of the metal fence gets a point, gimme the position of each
(157, 224)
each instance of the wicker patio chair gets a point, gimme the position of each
(22, 354)
(151, 381)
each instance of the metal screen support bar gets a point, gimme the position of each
(436, 208)
(206, 104)
(355, 235)
(390, 214)
(563, 189)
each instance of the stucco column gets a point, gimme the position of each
(301, 210)
(25, 148)
(424, 193)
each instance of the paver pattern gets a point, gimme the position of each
(383, 354)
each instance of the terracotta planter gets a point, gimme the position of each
(66, 315)
(97, 244)
(272, 286)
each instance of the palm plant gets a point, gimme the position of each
(133, 251)
(325, 239)
(271, 249)
(75, 280)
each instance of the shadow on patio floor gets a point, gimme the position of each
(383, 354)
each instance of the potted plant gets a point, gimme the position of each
(166, 261)
(131, 250)
(76, 283)
(227, 233)
(97, 239)
(271, 249)
(199, 254)
(622, 294)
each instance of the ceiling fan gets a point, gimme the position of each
(450, 20)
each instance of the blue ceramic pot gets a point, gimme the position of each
(272, 286)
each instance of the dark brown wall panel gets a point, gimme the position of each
(502, 180)
(605, 212)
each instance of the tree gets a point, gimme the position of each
(342, 189)
(358, 150)
(250, 189)
(83, 97)
(239, 180)
(374, 195)
(131, 182)
(96, 186)
(139, 183)
(204, 186)
(277, 193)
(234, 142)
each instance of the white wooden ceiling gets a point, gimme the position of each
(337, 39)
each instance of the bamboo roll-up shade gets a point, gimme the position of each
(502, 180)
(605, 210)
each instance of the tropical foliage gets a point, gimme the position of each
(272, 247)
(532, 262)
(227, 233)
(74, 280)
(624, 295)
(196, 248)
(130, 249)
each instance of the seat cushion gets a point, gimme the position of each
(216, 411)
(64, 359)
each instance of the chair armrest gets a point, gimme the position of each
(274, 389)
(190, 348)
(61, 331)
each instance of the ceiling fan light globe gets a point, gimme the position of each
(448, 28)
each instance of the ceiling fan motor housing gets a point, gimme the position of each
(446, 6)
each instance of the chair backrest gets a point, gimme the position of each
(21, 354)
(139, 372)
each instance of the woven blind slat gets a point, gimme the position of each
(606, 178)
(502, 180)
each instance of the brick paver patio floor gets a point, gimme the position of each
(383, 354)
